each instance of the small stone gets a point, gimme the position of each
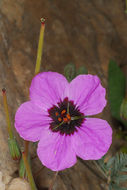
(2, 185)
(19, 184)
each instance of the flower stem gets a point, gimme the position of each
(126, 80)
(53, 181)
(26, 147)
(40, 46)
(29, 172)
(125, 6)
(9, 128)
(37, 69)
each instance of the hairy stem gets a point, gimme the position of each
(9, 128)
(26, 147)
(40, 46)
(29, 172)
(125, 6)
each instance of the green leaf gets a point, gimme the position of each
(122, 177)
(116, 86)
(116, 187)
(110, 162)
(70, 71)
(110, 187)
(123, 109)
(81, 70)
(102, 164)
(124, 170)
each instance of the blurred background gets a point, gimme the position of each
(84, 32)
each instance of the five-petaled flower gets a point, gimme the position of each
(57, 117)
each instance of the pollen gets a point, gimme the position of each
(68, 116)
(56, 113)
(59, 119)
(65, 119)
(64, 111)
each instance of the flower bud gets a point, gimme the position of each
(123, 109)
(14, 149)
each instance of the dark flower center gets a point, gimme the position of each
(66, 117)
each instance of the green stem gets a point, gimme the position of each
(26, 146)
(126, 82)
(9, 128)
(40, 46)
(29, 172)
(37, 69)
(125, 6)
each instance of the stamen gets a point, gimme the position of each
(56, 113)
(58, 125)
(59, 119)
(68, 116)
(65, 119)
(77, 117)
(64, 111)
(68, 107)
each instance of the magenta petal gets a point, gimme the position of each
(55, 151)
(47, 88)
(30, 121)
(93, 139)
(88, 94)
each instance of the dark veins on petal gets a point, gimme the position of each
(66, 117)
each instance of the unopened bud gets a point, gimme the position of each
(123, 109)
(82, 70)
(14, 149)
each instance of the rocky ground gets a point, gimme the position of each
(84, 32)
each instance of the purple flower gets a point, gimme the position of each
(56, 116)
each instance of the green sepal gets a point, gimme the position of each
(70, 71)
(14, 149)
(22, 169)
(81, 70)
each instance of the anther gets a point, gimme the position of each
(59, 119)
(68, 116)
(65, 119)
(64, 111)
(56, 113)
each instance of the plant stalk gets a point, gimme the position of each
(40, 46)
(29, 172)
(9, 128)
(125, 6)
